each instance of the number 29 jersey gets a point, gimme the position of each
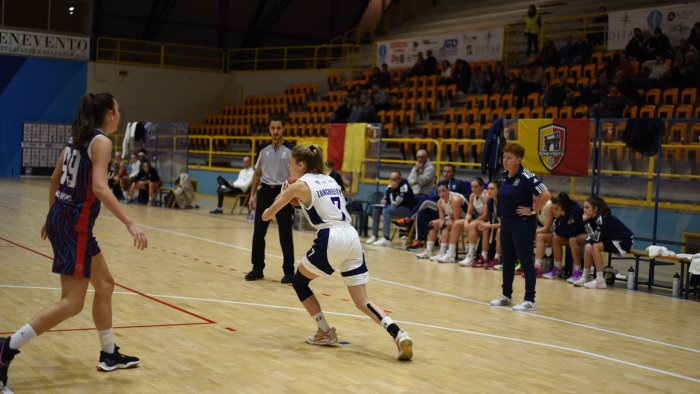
(327, 206)
(75, 187)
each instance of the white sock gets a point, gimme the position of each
(22, 336)
(321, 322)
(538, 263)
(106, 340)
(471, 249)
(443, 248)
(557, 264)
(452, 251)
(599, 277)
(485, 255)
(429, 246)
(386, 322)
(497, 256)
(577, 267)
(586, 274)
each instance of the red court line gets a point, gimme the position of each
(208, 321)
(120, 327)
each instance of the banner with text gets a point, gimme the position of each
(36, 44)
(473, 46)
(555, 146)
(675, 21)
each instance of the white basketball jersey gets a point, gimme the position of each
(327, 202)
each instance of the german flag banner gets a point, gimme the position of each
(555, 146)
(346, 145)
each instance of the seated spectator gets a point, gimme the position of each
(475, 213)
(694, 37)
(417, 69)
(446, 72)
(499, 80)
(369, 112)
(549, 56)
(234, 188)
(462, 75)
(567, 51)
(532, 79)
(422, 176)
(374, 78)
(568, 231)
(582, 51)
(426, 212)
(133, 168)
(339, 179)
(543, 234)
(117, 171)
(637, 46)
(490, 230)
(627, 67)
(382, 98)
(611, 106)
(477, 81)
(341, 113)
(385, 77)
(653, 71)
(625, 84)
(146, 181)
(659, 44)
(430, 65)
(685, 64)
(397, 203)
(449, 206)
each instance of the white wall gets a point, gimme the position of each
(159, 94)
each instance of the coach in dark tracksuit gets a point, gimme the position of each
(271, 171)
(518, 225)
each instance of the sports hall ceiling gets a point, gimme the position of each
(217, 23)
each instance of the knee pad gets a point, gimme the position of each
(300, 283)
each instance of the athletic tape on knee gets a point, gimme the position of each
(300, 283)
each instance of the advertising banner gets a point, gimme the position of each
(675, 21)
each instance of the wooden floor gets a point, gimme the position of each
(198, 326)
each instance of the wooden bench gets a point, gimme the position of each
(642, 255)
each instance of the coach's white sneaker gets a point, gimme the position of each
(323, 338)
(525, 306)
(371, 240)
(405, 345)
(501, 301)
(381, 242)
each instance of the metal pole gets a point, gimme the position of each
(596, 158)
(658, 186)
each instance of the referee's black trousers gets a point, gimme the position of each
(285, 217)
(517, 240)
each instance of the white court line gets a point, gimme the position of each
(563, 348)
(534, 315)
(431, 326)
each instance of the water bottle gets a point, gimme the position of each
(630, 279)
(676, 291)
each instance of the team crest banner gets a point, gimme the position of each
(555, 146)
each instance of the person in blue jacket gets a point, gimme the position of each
(518, 224)
(569, 231)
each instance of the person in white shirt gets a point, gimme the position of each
(234, 188)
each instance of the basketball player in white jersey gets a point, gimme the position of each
(337, 246)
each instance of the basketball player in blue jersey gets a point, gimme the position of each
(78, 185)
(337, 246)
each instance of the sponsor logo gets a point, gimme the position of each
(551, 146)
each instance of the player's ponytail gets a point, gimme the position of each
(312, 155)
(91, 114)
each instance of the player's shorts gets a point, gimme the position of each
(338, 247)
(619, 247)
(72, 250)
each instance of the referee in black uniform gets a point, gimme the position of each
(271, 171)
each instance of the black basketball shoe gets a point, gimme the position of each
(6, 356)
(110, 362)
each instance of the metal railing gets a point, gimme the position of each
(293, 58)
(156, 54)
